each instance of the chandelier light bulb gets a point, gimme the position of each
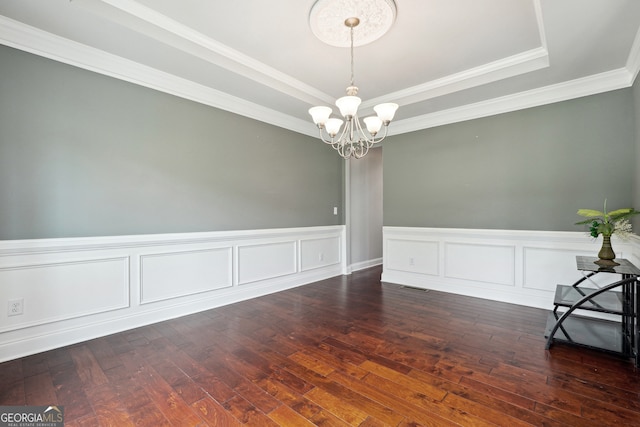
(386, 111)
(320, 115)
(373, 124)
(348, 106)
(333, 126)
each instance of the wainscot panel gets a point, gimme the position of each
(516, 266)
(56, 291)
(480, 262)
(177, 274)
(266, 261)
(317, 253)
(76, 289)
(543, 275)
(415, 256)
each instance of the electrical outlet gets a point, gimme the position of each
(320, 256)
(15, 307)
(411, 261)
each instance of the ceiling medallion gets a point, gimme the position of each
(327, 19)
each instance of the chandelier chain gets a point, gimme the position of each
(352, 74)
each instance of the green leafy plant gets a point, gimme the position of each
(608, 223)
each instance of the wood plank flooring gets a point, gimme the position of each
(348, 351)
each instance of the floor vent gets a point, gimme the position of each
(414, 288)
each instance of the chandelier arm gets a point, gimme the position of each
(384, 135)
(322, 136)
(343, 140)
(362, 135)
(339, 142)
(349, 150)
(362, 153)
(358, 151)
(359, 147)
(340, 148)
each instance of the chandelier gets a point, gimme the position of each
(352, 141)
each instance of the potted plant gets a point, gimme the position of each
(607, 224)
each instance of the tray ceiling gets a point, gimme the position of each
(441, 61)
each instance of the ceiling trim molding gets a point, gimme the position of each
(514, 65)
(29, 39)
(592, 85)
(633, 61)
(540, 20)
(520, 63)
(160, 27)
(148, 21)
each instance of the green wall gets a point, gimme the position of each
(528, 170)
(82, 154)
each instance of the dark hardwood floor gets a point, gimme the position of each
(344, 351)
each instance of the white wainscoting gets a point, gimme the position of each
(520, 267)
(80, 288)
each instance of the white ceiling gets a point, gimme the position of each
(442, 61)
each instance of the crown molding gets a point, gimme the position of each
(521, 63)
(160, 27)
(29, 39)
(591, 85)
(633, 61)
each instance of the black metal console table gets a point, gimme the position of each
(621, 298)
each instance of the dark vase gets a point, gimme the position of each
(606, 253)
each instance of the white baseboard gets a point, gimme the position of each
(82, 288)
(365, 264)
(514, 266)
